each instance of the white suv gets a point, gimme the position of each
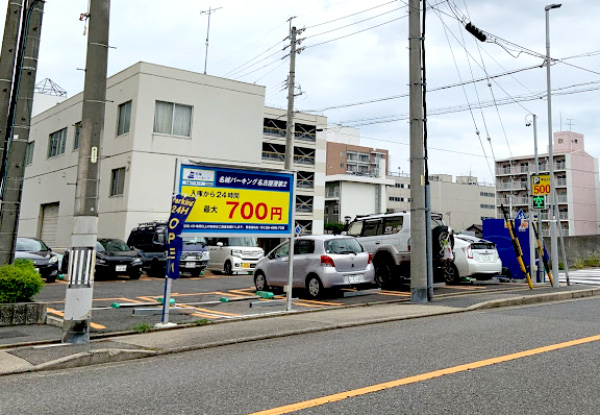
(387, 238)
(231, 255)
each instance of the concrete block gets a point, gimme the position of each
(6, 314)
(15, 314)
(20, 314)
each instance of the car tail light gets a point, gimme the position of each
(370, 258)
(469, 252)
(327, 261)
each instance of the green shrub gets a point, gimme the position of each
(335, 227)
(19, 282)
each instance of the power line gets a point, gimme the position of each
(241, 67)
(352, 24)
(350, 15)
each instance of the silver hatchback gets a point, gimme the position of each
(320, 263)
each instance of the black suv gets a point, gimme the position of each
(151, 240)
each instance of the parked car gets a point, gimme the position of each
(44, 260)
(320, 263)
(230, 255)
(474, 258)
(113, 257)
(387, 238)
(151, 240)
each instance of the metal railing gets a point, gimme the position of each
(306, 184)
(303, 159)
(273, 156)
(277, 132)
(303, 208)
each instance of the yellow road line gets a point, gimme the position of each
(286, 409)
(150, 299)
(300, 303)
(61, 314)
(231, 295)
(130, 300)
(320, 302)
(198, 314)
(473, 287)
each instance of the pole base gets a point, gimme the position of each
(419, 295)
(159, 326)
(76, 331)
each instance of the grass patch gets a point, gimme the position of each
(143, 328)
(201, 322)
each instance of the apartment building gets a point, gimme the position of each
(463, 202)
(576, 182)
(354, 159)
(154, 115)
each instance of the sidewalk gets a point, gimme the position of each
(266, 326)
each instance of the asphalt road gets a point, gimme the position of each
(427, 366)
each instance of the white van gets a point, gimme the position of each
(231, 255)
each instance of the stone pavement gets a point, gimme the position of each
(36, 357)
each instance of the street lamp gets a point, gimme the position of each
(553, 242)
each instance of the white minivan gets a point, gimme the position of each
(231, 255)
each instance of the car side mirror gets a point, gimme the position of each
(220, 244)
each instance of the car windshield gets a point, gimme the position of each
(343, 246)
(114, 245)
(30, 245)
(242, 242)
(193, 240)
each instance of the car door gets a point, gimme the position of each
(371, 234)
(276, 269)
(303, 254)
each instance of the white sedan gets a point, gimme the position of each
(473, 258)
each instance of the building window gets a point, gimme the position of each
(56, 143)
(342, 165)
(29, 153)
(487, 194)
(484, 206)
(124, 118)
(77, 134)
(117, 182)
(173, 119)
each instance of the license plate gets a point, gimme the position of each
(245, 265)
(190, 265)
(121, 268)
(354, 278)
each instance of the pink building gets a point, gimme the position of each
(576, 181)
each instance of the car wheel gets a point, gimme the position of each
(51, 278)
(314, 287)
(384, 275)
(260, 281)
(134, 276)
(227, 268)
(155, 269)
(451, 274)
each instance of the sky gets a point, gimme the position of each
(357, 52)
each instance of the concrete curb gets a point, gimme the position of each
(94, 357)
(534, 299)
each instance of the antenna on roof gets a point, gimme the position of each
(48, 87)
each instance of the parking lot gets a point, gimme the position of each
(123, 304)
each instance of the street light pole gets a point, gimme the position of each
(553, 242)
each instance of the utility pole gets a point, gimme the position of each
(19, 128)
(418, 259)
(10, 46)
(78, 303)
(289, 154)
(207, 12)
(553, 242)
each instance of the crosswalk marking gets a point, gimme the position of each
(588, 276)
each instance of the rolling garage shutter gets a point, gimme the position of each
(49, 223)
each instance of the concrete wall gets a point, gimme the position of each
(578, 248)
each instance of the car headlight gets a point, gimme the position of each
(236, 252)
(136, 261)
(53, 260)
(205, 255)
(100, 261)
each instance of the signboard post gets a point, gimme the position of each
(238, 202)
(540, 188)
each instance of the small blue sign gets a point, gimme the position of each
(521, 215)
(181, 206)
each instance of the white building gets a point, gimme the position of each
(154, 115)
(463, 202)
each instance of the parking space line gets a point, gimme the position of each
(300, 303)
(149, 299)
(472, 287)
(223, 313)
(244, 291)
(231, 295)
(197, 314)
(130, 300)
(61, 314)
(320, 302)
(395, 293)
